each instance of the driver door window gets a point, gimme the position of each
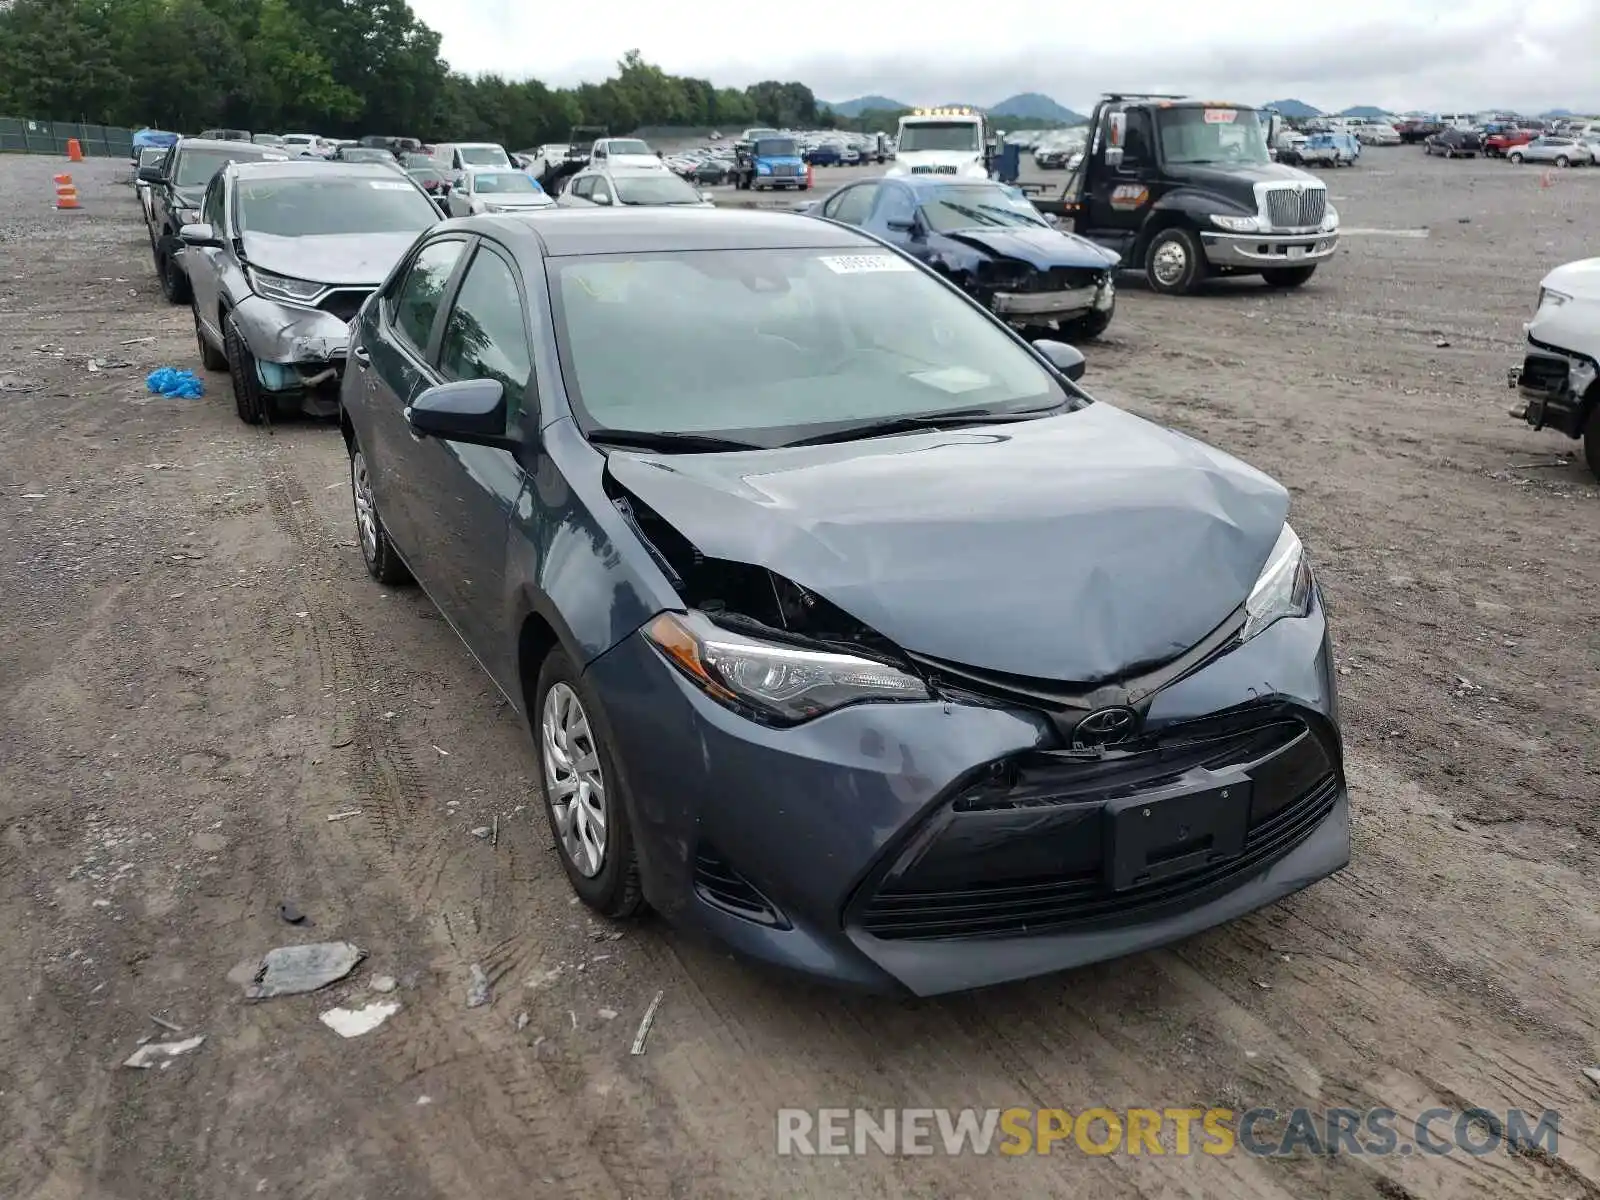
(415, 304)
(582, 186)
(600, 189)
(896, 206)
(211, 210)
(486, 334)
(1138, 141)
(853, 206)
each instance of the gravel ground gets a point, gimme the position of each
(198, 675)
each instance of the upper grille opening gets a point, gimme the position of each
(1285, 209)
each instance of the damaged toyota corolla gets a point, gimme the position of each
(847, 626)
(283, 257)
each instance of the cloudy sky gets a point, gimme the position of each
(1399, 54)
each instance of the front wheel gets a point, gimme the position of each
(1174, 264)
(1288, 277)
(1516, 159)
(1591, 442)
(1563, 161)
(583, 791)
(252, 404)
(1089, 326)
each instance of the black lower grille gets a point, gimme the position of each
(345, 303)
(721, 886)
(1081, 901)
(1544, 372)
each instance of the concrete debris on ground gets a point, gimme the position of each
(382, 983)
(295, 970)
(477, 988)
(353, 1022)
(161, 1054)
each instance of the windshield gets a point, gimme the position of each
(663, 188)
(196, 167)
(771, 346)
(940, 135)
(365, 154)
(627, 146)
(316, 207)
(483, 156)
(977, 206)
(501, 183)
(267, 139)
(776, 148)
(1196, 136)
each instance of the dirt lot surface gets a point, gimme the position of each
(198, 674)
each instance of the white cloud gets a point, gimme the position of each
(1399, 54)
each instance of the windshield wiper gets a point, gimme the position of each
(667, 440)
(924, 421)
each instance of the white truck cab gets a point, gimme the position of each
(632, 153)
(942, 141)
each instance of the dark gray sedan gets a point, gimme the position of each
(847, 626)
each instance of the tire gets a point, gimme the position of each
(1516, 159)
(1289, 277)
(1563, 161)
(1174, 264)
(174, 281)
(211, 358)
(1089, 327)
(254, 407)
(569, 743)
(377, 551)
(1591, 442)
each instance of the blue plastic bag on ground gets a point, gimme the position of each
(170, 381)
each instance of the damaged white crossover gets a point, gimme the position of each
(1559, 379)
(282, 259)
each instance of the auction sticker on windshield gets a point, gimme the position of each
(1221, 116)
(856, 264)
(387, 185)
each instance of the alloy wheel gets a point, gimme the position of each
(574, 784)
(1170, 263)
(366, 512)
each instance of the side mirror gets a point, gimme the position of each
(1113, 157)
(600, 198)
(199, 236)
(906, 226)
(471, 411)
(1064, 358)
(150, 175)
(706, 196)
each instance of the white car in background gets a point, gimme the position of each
(1558, 149)
(495, 190)
(1377, 133)
(625, 154)
(307, 145)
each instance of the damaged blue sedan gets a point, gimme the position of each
(847, 626)
(990, 241)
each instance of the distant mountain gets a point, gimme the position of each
(1296, 110)
(1558, 114)
(1034, 106)
(854, 108)
(1368, 111)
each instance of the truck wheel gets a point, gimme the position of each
(1288, 277)
(1174, 264)
(1591, 442)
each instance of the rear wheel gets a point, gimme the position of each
(1288, 277)
(1174, 263)
(383, 563)
(1563, 161)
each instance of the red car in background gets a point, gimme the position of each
(1497, 144)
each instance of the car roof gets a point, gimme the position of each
(563, 232)
(230, 145)
(299, 168)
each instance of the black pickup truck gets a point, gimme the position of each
(176, 189)
(1186, 189)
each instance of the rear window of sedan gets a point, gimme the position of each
(775, 343)
(316, 207)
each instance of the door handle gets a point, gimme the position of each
(363, 359)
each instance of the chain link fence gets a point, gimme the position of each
(19, 135)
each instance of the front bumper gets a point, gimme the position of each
(1554, 389)
(811, 848)
(1046, 304)
(1268, 251)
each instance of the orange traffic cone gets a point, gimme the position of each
(66, 193)
(811, 176)
(1545, 180)
(74, 150)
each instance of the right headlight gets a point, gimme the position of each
(1237, 224)
(1551, 297)
(1330, 219)
(775, 682)
(1283, 589)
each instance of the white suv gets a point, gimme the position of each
(1558, 376)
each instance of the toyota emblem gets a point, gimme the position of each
(1105, 727)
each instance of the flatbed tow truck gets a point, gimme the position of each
(1186, 189)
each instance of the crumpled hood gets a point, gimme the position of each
(1072, 548)
(1041, 248)
(355, 260)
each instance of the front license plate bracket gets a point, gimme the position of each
(1196, 821)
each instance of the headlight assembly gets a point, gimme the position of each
(783, 684)
(1284, 588)
(283, 288)
(1551, 297)
(1237, 224)
(1330, 219)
